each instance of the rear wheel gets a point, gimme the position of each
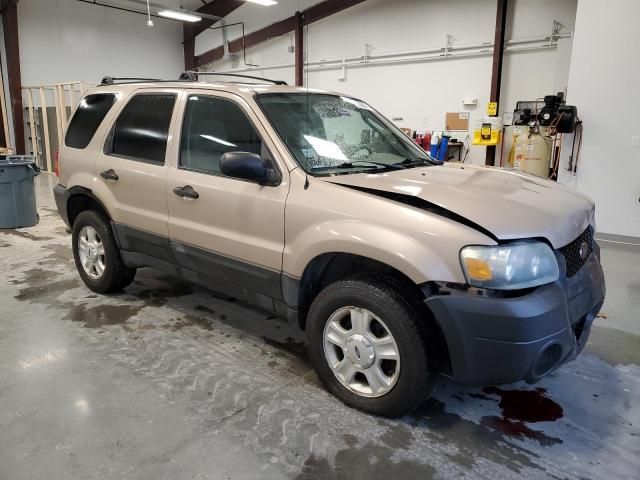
(96, 254)
(367, 345)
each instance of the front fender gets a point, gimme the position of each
(407, 254)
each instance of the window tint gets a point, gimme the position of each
(211, 128)
(87, 119)
(142, 128)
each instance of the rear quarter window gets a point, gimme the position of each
(87, 119)
(142, 129)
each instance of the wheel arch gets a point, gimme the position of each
(330, 267)
(81, 199)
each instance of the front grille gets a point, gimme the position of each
(572, 254)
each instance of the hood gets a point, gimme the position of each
(508, 204)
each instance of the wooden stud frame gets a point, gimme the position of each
(64, 95)
(45, 127)
(32, 123)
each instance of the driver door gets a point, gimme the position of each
(225, 228)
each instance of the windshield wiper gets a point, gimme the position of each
(363, 163)
(395, 166)
(408, 162)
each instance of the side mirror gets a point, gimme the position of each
(248, 166)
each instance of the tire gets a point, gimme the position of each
(409, 380)
(108, 273)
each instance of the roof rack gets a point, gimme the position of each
(193, 76)
(188, 76)
(114, 80)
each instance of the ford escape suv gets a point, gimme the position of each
(313, 206)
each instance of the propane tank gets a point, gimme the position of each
(531, 151)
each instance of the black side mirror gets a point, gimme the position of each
(248, 166)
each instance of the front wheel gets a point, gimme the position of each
(368, 347)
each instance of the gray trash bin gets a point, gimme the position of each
(17, 192)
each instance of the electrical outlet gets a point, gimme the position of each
(635, 141)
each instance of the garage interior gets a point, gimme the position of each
(167, 379)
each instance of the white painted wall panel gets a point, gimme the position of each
(65, 40)
(603, 79)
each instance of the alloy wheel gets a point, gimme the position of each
(91, 252)
(361, 351)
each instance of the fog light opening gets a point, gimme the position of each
(548, 359)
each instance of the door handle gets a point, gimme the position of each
(109, 175)
(186, 192)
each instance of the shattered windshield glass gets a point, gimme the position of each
(329, 134)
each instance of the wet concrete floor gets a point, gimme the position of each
(168, 380)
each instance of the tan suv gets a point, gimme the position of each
(314, 206)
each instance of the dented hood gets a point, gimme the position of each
(509, 204)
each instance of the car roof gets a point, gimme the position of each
(248, 89)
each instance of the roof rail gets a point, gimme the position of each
(193, 76)
(114, 80)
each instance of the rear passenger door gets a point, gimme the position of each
(131, 170)
(234, 229)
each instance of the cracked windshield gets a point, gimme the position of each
(331, 134)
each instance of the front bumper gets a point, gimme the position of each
(503, 340)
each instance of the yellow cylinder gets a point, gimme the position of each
(531, 153)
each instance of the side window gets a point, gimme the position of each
(87, 119)
(212, 127)
(141, 130)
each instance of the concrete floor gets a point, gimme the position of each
(170, 381)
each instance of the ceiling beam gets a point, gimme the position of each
(219, 8)
(256, 37)
(310, 15)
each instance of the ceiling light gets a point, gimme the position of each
(149, 21)
(185, 17)
(266, 3)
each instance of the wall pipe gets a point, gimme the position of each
(422, 55)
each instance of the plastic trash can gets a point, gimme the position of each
(17, 191)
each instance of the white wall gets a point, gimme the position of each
(421, 93)
(603, 78)
(66, 40)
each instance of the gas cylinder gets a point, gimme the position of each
(531, 151)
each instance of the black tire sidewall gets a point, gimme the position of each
(415, 381)
(110, 279)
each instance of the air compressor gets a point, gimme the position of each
(536, 125)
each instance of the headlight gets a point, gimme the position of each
(512, 266)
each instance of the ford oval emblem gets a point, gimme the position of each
(584, 250)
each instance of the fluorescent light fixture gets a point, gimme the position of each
(185, 17)
(266, 3)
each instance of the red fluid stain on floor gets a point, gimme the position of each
(518, 429)
(520, 406)
(526, 405)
